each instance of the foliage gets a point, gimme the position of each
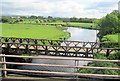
(23, 17)
(21, 20)
(82, 20)
(115, 56)
(113, 38)
(55, 19)
(4, 19)
(108, 24)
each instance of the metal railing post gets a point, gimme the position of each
(4, 66)
(76, 69)
(0, 68)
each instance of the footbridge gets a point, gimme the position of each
(12, 45)
(12, 48)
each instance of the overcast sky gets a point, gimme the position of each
(59, 8)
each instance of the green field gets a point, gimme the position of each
(113, 38)
(57, 22)
(33, 31)
(84, 25)
(70, 24)
(87, 25)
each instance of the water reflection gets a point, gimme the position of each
(80, 34)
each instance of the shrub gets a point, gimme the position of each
(115, 56)
(4, 19)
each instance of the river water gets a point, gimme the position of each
(80, 34)
(77, 34)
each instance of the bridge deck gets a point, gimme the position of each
(18, 77)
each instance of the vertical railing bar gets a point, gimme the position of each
(4, 66)
(1, 66)
(76, 69)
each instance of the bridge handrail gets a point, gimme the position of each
(4, 69)
(57, 40)
(63, 73)
(59, 58)
(65, 66)
(49, 40)
(63, 46)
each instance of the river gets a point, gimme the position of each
(80, 34)
(77, 34)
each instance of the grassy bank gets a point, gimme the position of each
(113, 38)
(33, 31)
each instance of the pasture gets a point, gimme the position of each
(33, 31)
(71, 24)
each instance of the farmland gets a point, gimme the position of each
(33, 31)
(39, 28)
(57, 22)
(72, 24)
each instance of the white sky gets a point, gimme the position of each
(59, 8)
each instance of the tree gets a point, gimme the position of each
(37, 21)
(108, 24)
(49, 17)
(23, 17)
(40, 17)
(21, 20)
(73, 19)
(4, 19)
(33, 17)
(10, 22)
(66, 20)
(16, 21)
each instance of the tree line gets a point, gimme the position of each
(48, 19)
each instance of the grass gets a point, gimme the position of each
(85, 25)
(72, 24)
(33, 31)
(113, 38)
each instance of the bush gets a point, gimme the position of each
(10, 22)
(115, 56)
(4, 19)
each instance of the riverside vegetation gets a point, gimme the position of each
(109, 32)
